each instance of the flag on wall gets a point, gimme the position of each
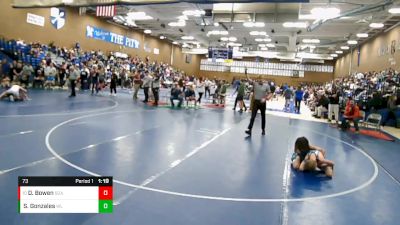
(106, 11)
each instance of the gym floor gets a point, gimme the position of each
(192, 166)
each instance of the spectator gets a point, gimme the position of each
(352, 113)
(176, 94)
(27, 72)
(392, 107)
(298, 98)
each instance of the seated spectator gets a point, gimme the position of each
(38, 79)
(176, 94)
(50, 73)
(190, 95)
(27, 71)
(352, 113)
(322, 105)
(222, 92)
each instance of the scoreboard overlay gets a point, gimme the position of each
(65, 194)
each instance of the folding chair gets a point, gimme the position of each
(374, 120)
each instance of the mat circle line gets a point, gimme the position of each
(208, 197)
(65, 113)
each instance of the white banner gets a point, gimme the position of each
(35, 19)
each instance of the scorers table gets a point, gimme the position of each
(65, 194)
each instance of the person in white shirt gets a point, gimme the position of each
(16, 92)
(50, 74)
(200, 88)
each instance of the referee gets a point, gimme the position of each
(262, 93)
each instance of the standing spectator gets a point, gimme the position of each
(240, 96)
(94, 80)
(113, 84)
(155, 88)
(84, 78)
(62, 73)
(298, 97)
(333, 107)
(136, 84)
(392, 107)
(207, 84)
(288, 93)
(17, 72)
(146, 85)
(73, 76)
(200, 86)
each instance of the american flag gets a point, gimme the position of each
(106, 11)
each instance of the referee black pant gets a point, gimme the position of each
(258, 105)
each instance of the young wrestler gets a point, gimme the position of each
(301, 149)
(316, 159)
(15, 93)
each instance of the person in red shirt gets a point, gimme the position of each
(352, 113)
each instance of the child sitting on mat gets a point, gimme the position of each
(308, 158)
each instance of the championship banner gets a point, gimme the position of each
(81, 3)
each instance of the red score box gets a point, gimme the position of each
(105, 193)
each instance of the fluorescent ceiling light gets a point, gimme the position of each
(174, 42)
(216, 24)
(217, 32)
(263, 39)
(334, 55)
(362, 35)
(376, 25)
(325, 13)
(264, 49)
(253, 24)
(180, 23)
(262, 45)
(394, 10)
(138, 16)
(187, 38)
(345, 47)
(270, 45)
(224, 39)
(232, 39)
(295, 25)
(311, 41)
(352, 42)
(234, 44)
(147, 31)
(196, 13)
(339, 52)
(162, 37)
(258, 33)
(183, 17)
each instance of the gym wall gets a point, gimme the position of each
(13, 25)
(309, 77)
(377, 54)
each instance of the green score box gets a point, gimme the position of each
(105, 206)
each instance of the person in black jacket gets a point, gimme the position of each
(322, 105)
(113, 84)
